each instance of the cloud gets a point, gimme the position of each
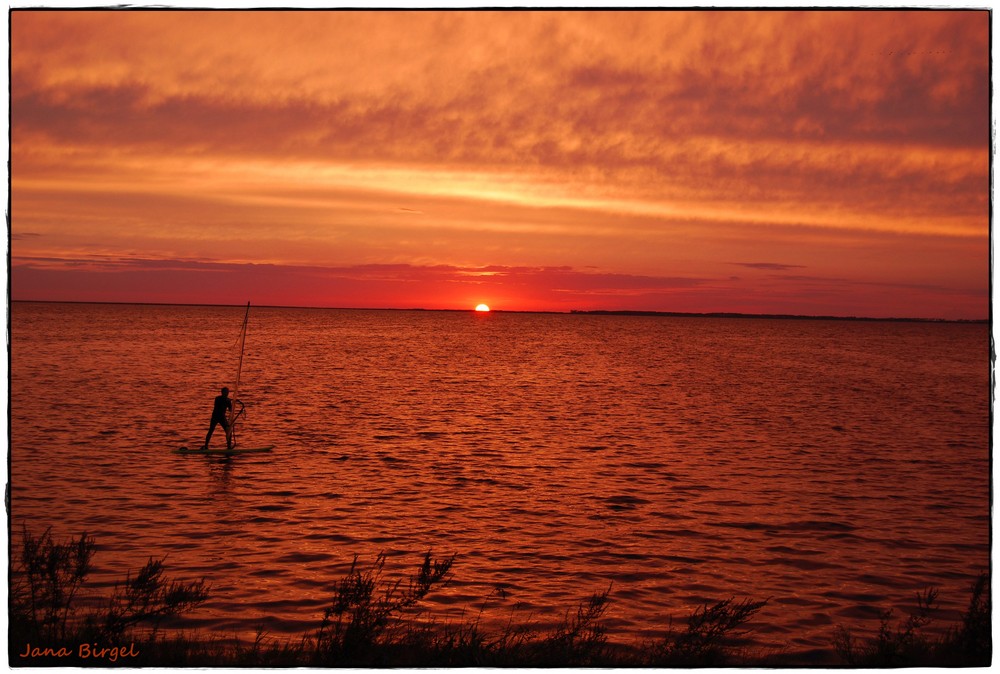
(494, 91)
(834, 282)
(121, 279)
(770, 266)
(380, 285)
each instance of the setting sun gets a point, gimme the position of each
(482, 307)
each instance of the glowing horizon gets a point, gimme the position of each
(693, 161)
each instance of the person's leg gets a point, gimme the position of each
(211, 429)
(229, 435)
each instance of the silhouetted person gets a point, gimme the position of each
(223, 405)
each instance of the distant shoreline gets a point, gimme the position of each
(784, 317)
(572, 312)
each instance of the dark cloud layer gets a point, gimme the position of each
(770, 266)
(444, 286)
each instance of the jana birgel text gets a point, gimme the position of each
(83, 651)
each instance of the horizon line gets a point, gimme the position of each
(571, 312)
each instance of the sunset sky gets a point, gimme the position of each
(806, 162)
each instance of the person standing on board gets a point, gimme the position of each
(223, 405)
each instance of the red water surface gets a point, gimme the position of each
(834, 468)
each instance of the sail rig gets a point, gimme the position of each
(237, 409)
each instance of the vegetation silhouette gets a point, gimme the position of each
(373, 621)
(44, 585)
(967, 645)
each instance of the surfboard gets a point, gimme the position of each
(224, 452)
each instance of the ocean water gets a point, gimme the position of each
(835, 468)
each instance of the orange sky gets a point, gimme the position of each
(808, 162)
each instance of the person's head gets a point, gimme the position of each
(225, 391)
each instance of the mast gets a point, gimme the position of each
(234, 413)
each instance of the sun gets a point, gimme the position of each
(482, 307)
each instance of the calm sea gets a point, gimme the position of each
(836, 468)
